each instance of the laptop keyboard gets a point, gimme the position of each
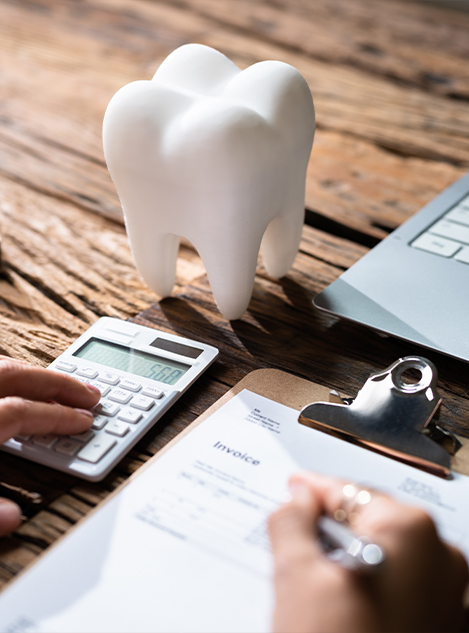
(448, 236)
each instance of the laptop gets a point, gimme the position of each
(414, 285)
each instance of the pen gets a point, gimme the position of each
(346, 548)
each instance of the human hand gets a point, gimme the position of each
(35, 401)
(419, 586)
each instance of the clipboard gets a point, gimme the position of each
(297, 393)
(134, 527)
(274, 384)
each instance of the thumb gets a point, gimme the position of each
(292, 530)
(10, 516)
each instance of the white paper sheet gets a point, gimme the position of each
(184, 546)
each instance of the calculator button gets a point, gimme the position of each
(129, 415)
(107, 408)
(142, 402)
(117, 428)
(97, 448)
(130, 385)
(64, 365)
(22, 438)
(46, 441)
(67, 447)
(99, 422)
(88, 372)
(106, 376)
(153, 392)
(119, 395)
(83, 437)
(104, 389)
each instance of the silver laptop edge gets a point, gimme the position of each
(408, 293)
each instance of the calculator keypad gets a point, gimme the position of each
(138, 379)
(124, 403)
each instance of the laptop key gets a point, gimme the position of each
(459, 214)
(435, 244)
(463, 255)
(451, 230)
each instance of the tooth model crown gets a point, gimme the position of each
(219, 156)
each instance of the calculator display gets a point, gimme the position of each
(132, 360)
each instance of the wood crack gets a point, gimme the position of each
(333, 227)
(70, 150)
(71, 197)
(57, 298)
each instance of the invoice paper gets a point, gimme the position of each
(184, 546)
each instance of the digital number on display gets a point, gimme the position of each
(132, 361)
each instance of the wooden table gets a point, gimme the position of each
(391, 89)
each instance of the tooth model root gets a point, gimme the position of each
(231, 267)
(217, 155)
(155, 257)
(281, 240)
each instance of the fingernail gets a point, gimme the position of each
(299, 490)
(86, 412)
(94, 389)
(10, 512)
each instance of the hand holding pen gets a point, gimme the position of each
(418, 586)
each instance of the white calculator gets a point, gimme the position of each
(140, 372)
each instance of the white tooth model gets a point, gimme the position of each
(216, 155)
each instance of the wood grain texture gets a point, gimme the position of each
(402, 41)
(390, 85)
(84, 53)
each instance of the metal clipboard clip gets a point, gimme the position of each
(392, 416)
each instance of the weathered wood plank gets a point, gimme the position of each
(14, 556)
(415, 44)
(63, 268)
(367, 188)
(43, 529)
(64, 158)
